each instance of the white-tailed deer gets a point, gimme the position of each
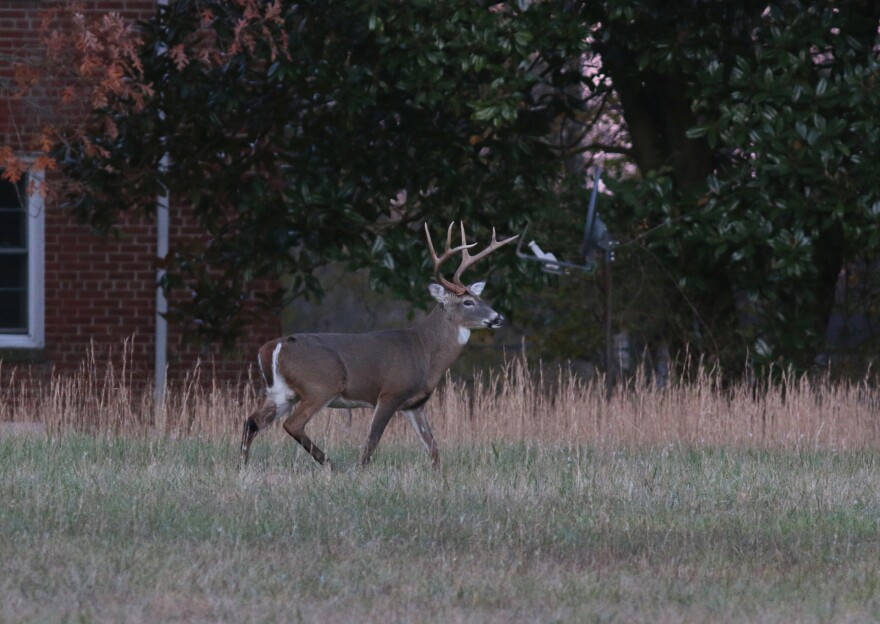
(388, 371)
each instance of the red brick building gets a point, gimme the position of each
(64, 290)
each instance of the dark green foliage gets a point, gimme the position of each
(753, 129)
(290, 150)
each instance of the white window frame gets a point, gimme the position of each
(35, 338)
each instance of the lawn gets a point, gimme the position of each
(152, 529)
(695, 503)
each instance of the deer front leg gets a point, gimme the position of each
(381, 415)
(418, 418)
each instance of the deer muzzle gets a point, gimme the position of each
(495, 322)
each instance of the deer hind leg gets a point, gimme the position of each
(418, 418)
(295, 425)
(259, 420)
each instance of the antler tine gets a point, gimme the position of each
(447, 253)
(431, 248)
(467, 260)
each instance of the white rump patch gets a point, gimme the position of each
(279, 393)
(463, 334)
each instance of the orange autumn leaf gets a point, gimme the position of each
(12, 166)
(45, 163)
(178, 55)
(47, 139)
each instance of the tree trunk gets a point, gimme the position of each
(658, 116)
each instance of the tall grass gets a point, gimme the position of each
(515, 404)
(107, 396)
(519, 404)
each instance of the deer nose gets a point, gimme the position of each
(494, 322)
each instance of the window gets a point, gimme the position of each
(21, 264)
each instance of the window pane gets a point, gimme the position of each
(12, 195)
(12, 228)
(13, 264)
(13, 311)
(13, 271)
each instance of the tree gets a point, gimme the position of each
(754, 128)
(85, 63)
(318, 131)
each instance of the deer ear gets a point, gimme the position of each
(438, 292)
(477, 288)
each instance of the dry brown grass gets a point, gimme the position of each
(516, 404)
(513, 404)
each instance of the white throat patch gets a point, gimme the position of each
(463, 334)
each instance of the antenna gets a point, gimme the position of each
(596, 237)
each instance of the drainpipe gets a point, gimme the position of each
(162, 229)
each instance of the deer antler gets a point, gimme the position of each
(467, 260)
(447, 253)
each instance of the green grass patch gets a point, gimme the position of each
(98, 529)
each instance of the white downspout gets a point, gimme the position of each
(162, 229)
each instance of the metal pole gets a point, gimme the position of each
(162, 228)
(162, 232)
(591, 212)
(609, 347)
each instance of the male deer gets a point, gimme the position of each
(388, 371)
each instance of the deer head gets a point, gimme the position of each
(460, 301)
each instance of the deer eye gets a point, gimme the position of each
(468, 302)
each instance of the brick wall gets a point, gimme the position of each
(100, 291)
(18, 38)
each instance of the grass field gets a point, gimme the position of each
(692, 504)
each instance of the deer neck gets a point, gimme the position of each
(443, 339)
